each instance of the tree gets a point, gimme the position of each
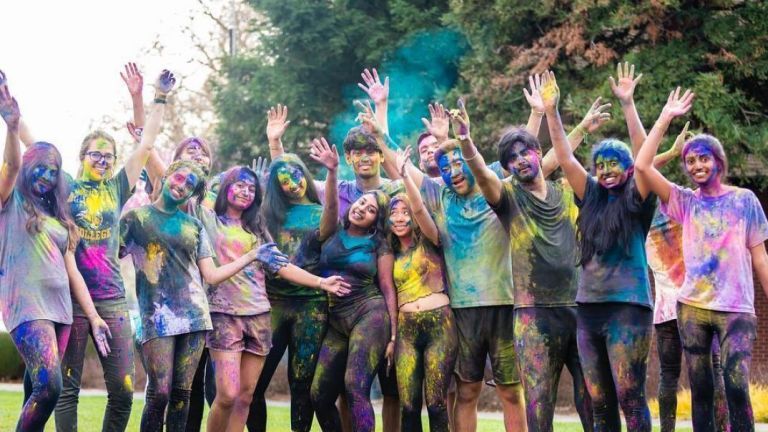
(717, 48)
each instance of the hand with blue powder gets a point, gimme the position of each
(260, 166)
(270, 257)
(101, 334)
(165, 83)
(9, 108)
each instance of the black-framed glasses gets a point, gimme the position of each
(97, 156)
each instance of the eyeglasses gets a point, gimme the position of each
(97, 156)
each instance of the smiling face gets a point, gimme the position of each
(427, 147)
(455, 172)
(179, 185)
(400, 222)
(98, 160)
(365, 162)
(44, 176)
(523, 162)
(363, 212)
(292, 182)
(195, 151)
(610, 171)
(242, 193)
(701, 165)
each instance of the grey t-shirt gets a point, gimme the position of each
(33, 279)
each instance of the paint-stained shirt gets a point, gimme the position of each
(664, 247)
(244, 293)
(33, 279)
(349, 192)
(165, 249)
(543, 243)
(354, 258)
(418, 272)
(475, 246)
(96, 208)
(620, 274)
(718, 233)
(300, 221)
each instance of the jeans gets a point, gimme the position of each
(118, 367)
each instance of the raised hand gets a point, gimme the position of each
(335, 285)
(534, 96)
(677, 147)
(165, 82)
(133, 79)
(678, 105)
(260, 166)
(101, 335)
(624, 89)
(9, 108)
(378, 92)
(402, 159)
(368, 119)
(134, 131)
(550, 92)
(271, 258)
(324, 153)
(460, 120)
(596, 117)
(440, 124)
(277, 122)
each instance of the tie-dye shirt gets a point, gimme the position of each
(33, 279)
(664, 247)
(544, 250)
(244, 293)
(718, 233)
(300, 221)
(418, 272)
(355, 258)
(475, 246)
(165, 249)
(620, 275)
(96, 208)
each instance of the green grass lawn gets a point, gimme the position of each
(92, 410)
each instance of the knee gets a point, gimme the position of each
(468, 392)
(158, 396)
(122, 397)
(511, 394)
(226, 396)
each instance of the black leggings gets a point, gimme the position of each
(425, 355)
(614, 340)
(203, 390)
(349, 359)
(298, 326)
(670, 349)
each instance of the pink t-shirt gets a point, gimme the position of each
(717, 235)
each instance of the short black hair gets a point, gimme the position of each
(359, 139)
(512, 135)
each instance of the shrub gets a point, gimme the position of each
(11, 365)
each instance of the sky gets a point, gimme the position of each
(63, 60)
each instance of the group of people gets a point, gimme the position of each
(419, 279)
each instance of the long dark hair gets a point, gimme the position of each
(276, 203)
(382, 215)
(53, 202)
(251, 218)
(394, 240)
(605, 218)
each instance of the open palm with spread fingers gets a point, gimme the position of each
(534, 95)
(678, 105)
(277, 122)
(324, 153)
(623, 86)
(373, 87)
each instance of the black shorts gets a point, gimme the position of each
(486, 331)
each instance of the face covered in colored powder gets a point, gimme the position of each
(427, 148)
(363, 212)
(194, 151)
(701, 165)
(44, 176)
(400, 222)
(365, 162)
(292, 182)
(455, 172)
(179, 185)
(241, 193)
(99, 160)
(610, 170)
(523, 162)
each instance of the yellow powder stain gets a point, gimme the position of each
(128, 383)
(95, 204)
(154, 262)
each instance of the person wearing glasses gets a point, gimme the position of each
(96, 200)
